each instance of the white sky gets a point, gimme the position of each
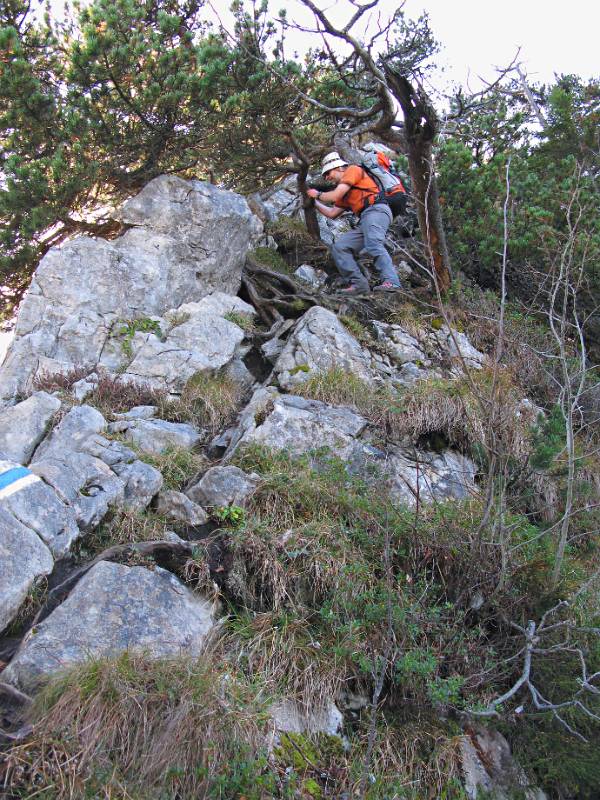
(477, 35)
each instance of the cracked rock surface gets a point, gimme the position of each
(114, 608)
(188, 239)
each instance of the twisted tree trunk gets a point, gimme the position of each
(420, 130)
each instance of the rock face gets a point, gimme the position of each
(23, 558)
(188, 240)
(114, 608)
(23, 426)
(297, 425)
(194, 337)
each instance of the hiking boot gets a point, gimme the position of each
(387, 286)
(352, 290)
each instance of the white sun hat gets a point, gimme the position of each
(331, 161)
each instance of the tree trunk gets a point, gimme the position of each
(420, 130)
(310, 211)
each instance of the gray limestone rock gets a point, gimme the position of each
(204, 340)
(489, 768)
(308, 274)
(83, 388)
(157, 435)
(177, 507)
(114, 608)
(287, 422)
(22, 427)
(75, 460)
(83, 482)
(401, 345)
(428, 476)
(458, 347)
(142, 483)
(74, 429)
(34, 504)
(289, 717)
(320, 342)
(223, 486)
(188, 240)
(138, 412)
(23, 558)
(272, 349)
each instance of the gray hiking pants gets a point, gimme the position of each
(369, 236)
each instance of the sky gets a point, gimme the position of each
(479, 35)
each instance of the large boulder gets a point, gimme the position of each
(114, 608)
(188, 239)
(320, 343)
(23, 559)
(287, 422)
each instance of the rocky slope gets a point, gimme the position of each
(146, 321)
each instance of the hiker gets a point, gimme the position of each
(356, 191)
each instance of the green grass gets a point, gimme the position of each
(270, 259)
(243, 321)
(178, 465)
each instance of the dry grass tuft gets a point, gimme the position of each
(209, 400)
(123, 527)
(458, 410)
(178, 465)
(137, 728)
(112, 395)
(60, 381)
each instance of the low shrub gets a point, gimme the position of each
(309, 566)
(60, 381)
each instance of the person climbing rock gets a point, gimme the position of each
(356, 191)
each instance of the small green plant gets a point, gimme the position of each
(232, 516)
(129, 328)
(357, 329)
(243, 321)
(299, 368)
